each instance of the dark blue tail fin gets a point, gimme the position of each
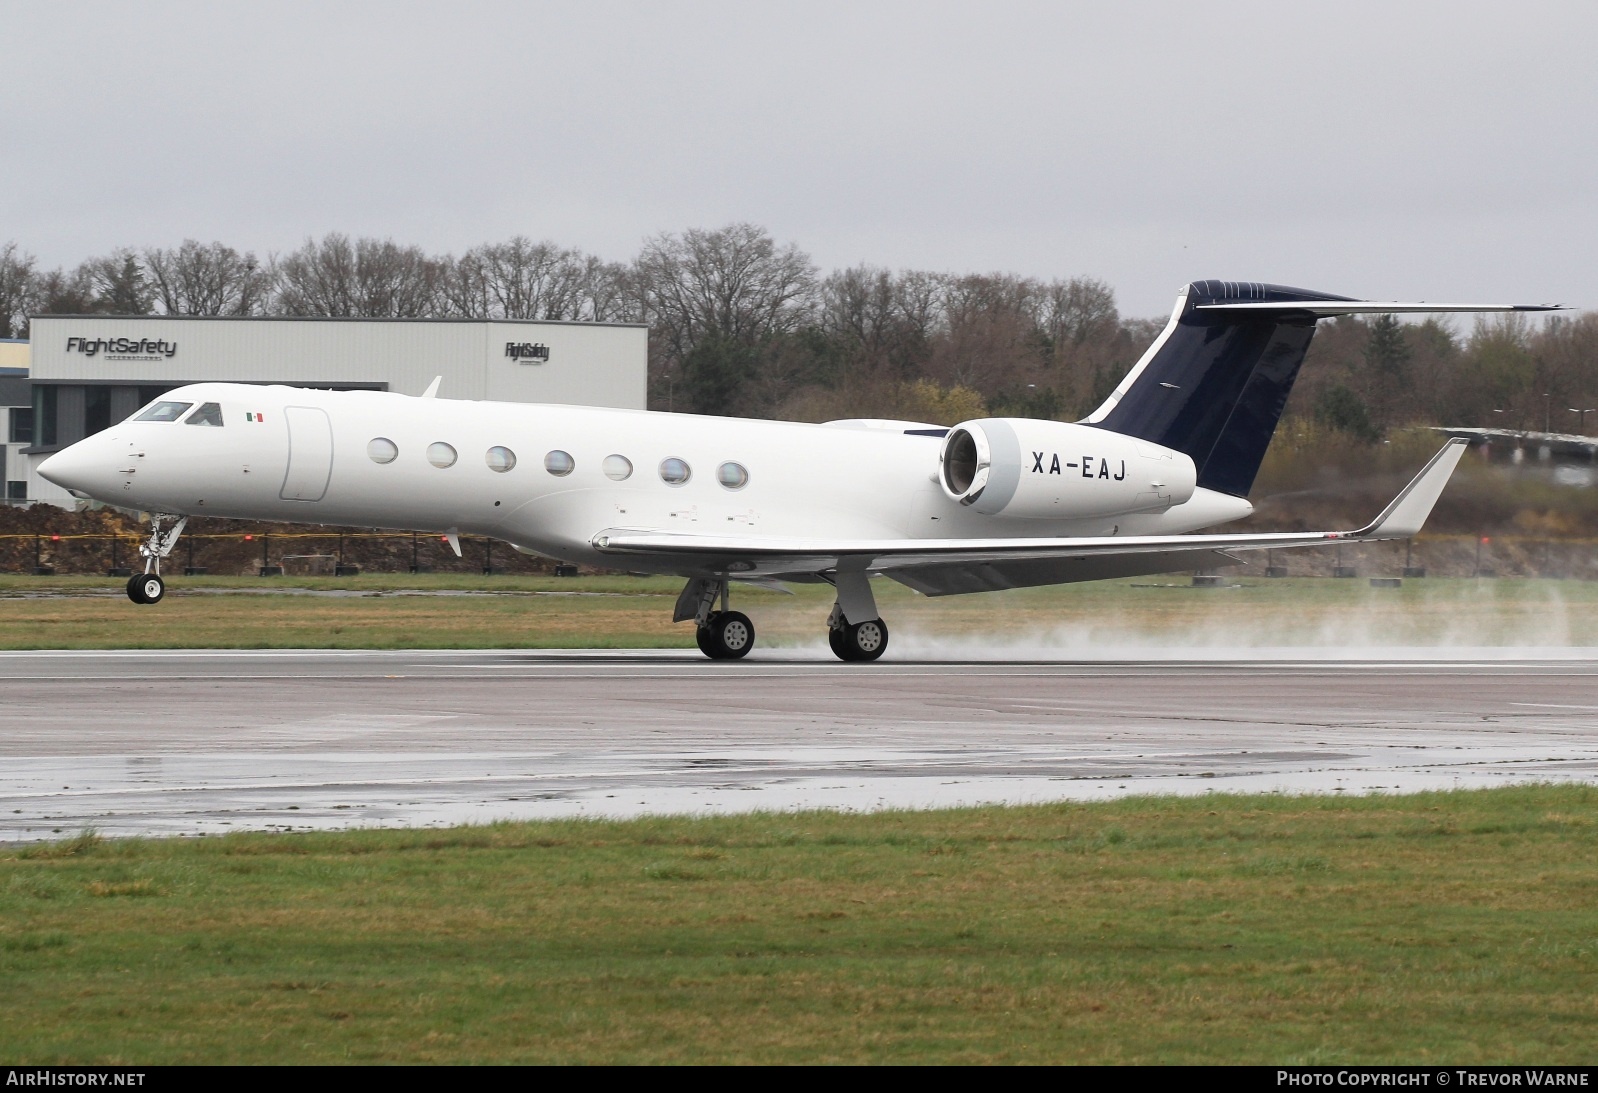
(1214, 383)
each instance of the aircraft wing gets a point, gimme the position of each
(996, 563)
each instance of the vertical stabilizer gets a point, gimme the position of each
(1215, 382)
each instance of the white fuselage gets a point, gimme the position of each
(803, 481)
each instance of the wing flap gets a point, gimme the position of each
(954, 580)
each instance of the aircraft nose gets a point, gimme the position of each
(82, 468)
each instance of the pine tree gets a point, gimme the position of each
(1387, 376)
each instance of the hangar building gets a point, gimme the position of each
(16, 419)
(88, 371)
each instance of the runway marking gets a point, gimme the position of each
(1240, 658)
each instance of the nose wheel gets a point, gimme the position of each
(146, 588)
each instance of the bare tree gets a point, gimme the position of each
(992, 339)
(368, 278)
(609, 293)
(206, 279)
(18, 291)
(1090, 347)
(521, 279)
(463, 290)
(732, 282)
(1079, 311)
(919, 300)
(530, 280)
(857, 305)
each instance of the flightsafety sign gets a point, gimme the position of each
(124, 349)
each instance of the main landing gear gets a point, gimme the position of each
(148, 587)
(726, 635)
(855, 631)
(721, 634)
(858, 641)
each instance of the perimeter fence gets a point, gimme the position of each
(266, 552)
(273, 551)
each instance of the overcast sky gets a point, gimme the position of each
(1395, 151)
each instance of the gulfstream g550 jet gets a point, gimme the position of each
(988, 504)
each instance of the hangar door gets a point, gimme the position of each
(310, 454)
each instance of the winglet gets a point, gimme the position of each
(1405, 516)
(453, 538)
(432, 388)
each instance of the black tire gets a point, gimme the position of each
(703, 636)
(839, 643)
(146, 588)
(727, 635)
(863, 641)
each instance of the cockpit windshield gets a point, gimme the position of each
(209, 413)
(164, 411)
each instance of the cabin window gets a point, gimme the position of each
(500, 459)
(209, 413)
(559, 463)
(441, 455)
(618, 468)
(732, 475)
(382, 450)
(164, 411)
(674, 471)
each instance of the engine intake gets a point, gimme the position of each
(1041, 470)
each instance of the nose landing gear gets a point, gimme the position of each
(148, 587)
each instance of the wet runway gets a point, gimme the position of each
(199, 742)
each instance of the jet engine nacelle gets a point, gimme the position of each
(1041, 470)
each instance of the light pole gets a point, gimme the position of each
(1581, 418)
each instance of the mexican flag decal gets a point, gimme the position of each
(253, 417)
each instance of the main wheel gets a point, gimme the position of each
(860, 642)
(726, 635)
(146, 588)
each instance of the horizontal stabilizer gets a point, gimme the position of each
(1325, 308)
(1216, 381)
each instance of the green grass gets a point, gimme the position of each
(635, 612)
(1458, 927)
